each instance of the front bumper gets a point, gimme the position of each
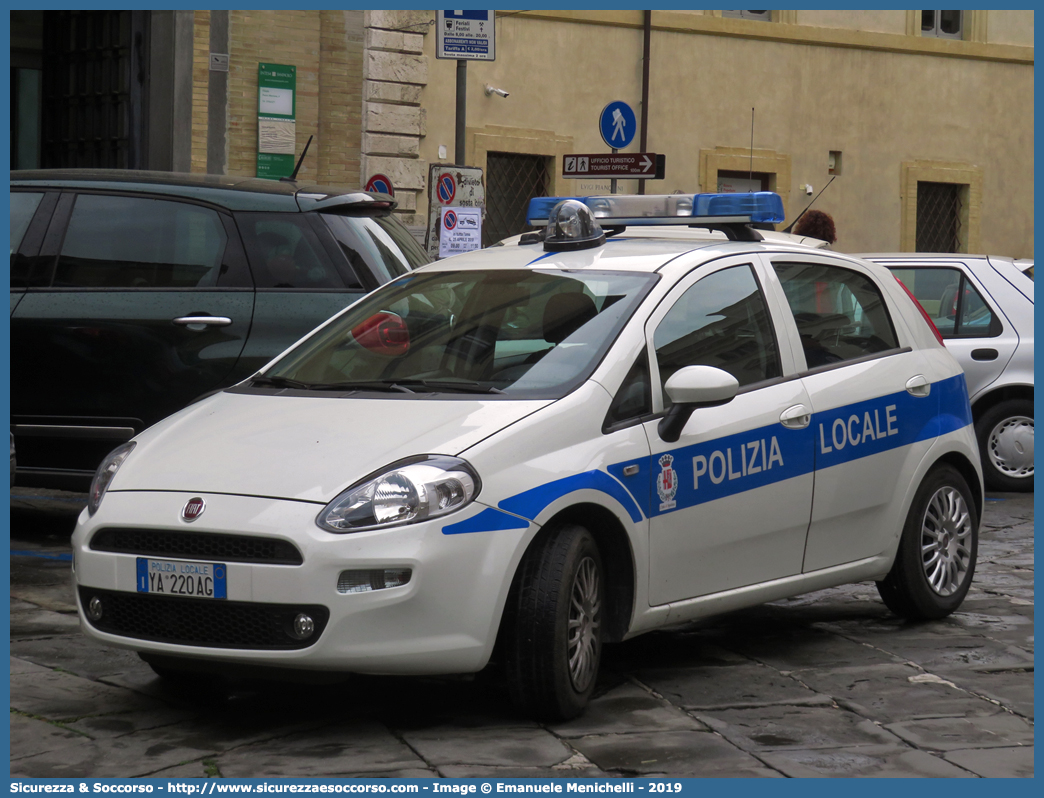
(444, 620)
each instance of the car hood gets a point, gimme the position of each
(307, 448)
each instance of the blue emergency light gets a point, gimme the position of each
(657, 209)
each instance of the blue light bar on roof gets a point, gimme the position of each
(658, 209)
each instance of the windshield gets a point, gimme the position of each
(380, 241)
(527, 333)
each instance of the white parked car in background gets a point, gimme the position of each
(983, 307)
(519, 454)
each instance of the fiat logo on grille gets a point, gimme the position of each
(193, 508)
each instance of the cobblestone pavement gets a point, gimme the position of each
(828, 684)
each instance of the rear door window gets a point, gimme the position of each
(137, 242)
(952, 301)
(839, 312)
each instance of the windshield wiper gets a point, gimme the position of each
(279, 382)
(458, 386)
(408, 386)
(392, 386)
(373, 385)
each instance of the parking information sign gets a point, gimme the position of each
(461, 231)
(465, 35)
(457, 187)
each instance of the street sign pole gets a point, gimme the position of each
(612, 183)
(464, 35)
(462, 111)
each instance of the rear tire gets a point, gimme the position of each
(553, 642)
(935, 562)
(1005, 434)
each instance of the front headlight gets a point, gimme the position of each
(407, 492)
(106, 471)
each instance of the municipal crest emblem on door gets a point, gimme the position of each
(667, 483)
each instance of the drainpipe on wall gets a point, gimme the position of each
(646, 39)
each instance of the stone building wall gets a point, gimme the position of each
(396, 73)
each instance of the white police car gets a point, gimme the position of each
(522, 453)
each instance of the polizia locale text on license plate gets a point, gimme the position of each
(181, 578)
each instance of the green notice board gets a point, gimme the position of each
(276, 119)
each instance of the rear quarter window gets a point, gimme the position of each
(284, 252)
(379, 244)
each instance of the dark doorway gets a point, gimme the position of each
(94, 85)
(512, 180)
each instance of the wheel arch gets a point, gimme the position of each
(617, 559)
(965, 469)
(998, 395)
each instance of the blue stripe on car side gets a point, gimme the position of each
(530, 503)
(859, 430)
(489, 520)
(737, 463)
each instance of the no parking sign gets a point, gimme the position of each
(459, 188)
(461, 231)
(380, 184)
(446, 189)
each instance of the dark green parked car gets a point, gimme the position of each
(134, 293)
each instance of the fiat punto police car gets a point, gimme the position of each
(520, 454)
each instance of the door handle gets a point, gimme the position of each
(796, 417)
(984, 354)
(918, 386)
(202, 322)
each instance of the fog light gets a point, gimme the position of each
(365, 581)
(94, 609)
(303, 626)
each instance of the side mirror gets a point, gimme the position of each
(691, 388)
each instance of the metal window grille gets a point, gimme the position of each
(95, 66)
(942, 24)
(938, 217)
(512, 180)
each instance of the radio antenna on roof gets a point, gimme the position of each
(293, 175)
(750, 172)
(790, 226)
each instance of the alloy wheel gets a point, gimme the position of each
(946, 540)
(585, 608)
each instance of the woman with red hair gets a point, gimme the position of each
(816, 224)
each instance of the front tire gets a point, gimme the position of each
(1005, 434)
(554, 617)
(935, 562)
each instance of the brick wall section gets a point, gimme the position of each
(340, 97)
(200, 82)
(396, 71)
(277, 37)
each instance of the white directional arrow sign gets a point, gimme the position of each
(643, 165)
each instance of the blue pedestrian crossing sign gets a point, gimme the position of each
(617, 124)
